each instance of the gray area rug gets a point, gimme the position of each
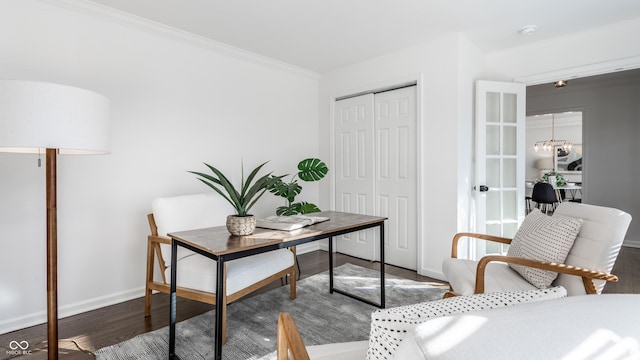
(322, 318)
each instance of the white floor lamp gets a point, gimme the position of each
(63, 120)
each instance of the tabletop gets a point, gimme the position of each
(218, 241)
(563, 187)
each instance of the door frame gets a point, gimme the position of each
(414, 79)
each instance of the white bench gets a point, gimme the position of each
(196, 276)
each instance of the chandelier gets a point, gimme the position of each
(549, 145)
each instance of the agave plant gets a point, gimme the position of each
(247, 195)
(311, 169)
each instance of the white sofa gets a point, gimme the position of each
(389, 326)
(543, 324)
(575, 327)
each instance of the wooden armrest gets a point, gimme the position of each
(159, 239)
(289, 339)
(458, 236)
(587, 275)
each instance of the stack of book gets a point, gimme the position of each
(289, 223)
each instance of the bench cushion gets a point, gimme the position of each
(199, 273)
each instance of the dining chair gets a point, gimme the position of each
(544, 195)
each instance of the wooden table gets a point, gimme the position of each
(216, 243)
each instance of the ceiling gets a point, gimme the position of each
(322, 35)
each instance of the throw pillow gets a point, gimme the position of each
(545, 238)
(389, 326)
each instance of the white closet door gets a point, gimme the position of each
(396, 178)
(354, 187)
(376, 158)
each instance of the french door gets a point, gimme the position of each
(500, 160)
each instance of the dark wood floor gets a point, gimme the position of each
(81, 334)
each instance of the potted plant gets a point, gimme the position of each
(560, 181)
(242, 199)
(310, 169)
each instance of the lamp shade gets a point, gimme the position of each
(545, 163)
(38, 115)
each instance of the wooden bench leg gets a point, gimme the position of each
(147, 302)
(224, 320)
(148, 292)
(292, 276)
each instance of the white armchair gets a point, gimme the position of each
(197, 274)
(586, 269)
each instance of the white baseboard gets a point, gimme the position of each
(40, 317)
(432, 273)
(632, 243)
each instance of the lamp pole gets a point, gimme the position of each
(52, 255)
(64, 120)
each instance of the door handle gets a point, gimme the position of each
(483, 188)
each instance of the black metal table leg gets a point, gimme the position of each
(219, 306)
(331, 264)
(332, 289)
(172, 301)
(382, 284)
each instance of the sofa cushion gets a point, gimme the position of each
(354, 350)
(575, 327)
(199, 273)
(544, 238)
(499, 277)
(389, 327)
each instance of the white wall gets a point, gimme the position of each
(176, 102)
(445, 88)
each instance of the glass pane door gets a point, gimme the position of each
(500, 157)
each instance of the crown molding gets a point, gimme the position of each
(605, 67)
(106, 13)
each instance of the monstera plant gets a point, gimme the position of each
(243, 198)
(310, 169)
